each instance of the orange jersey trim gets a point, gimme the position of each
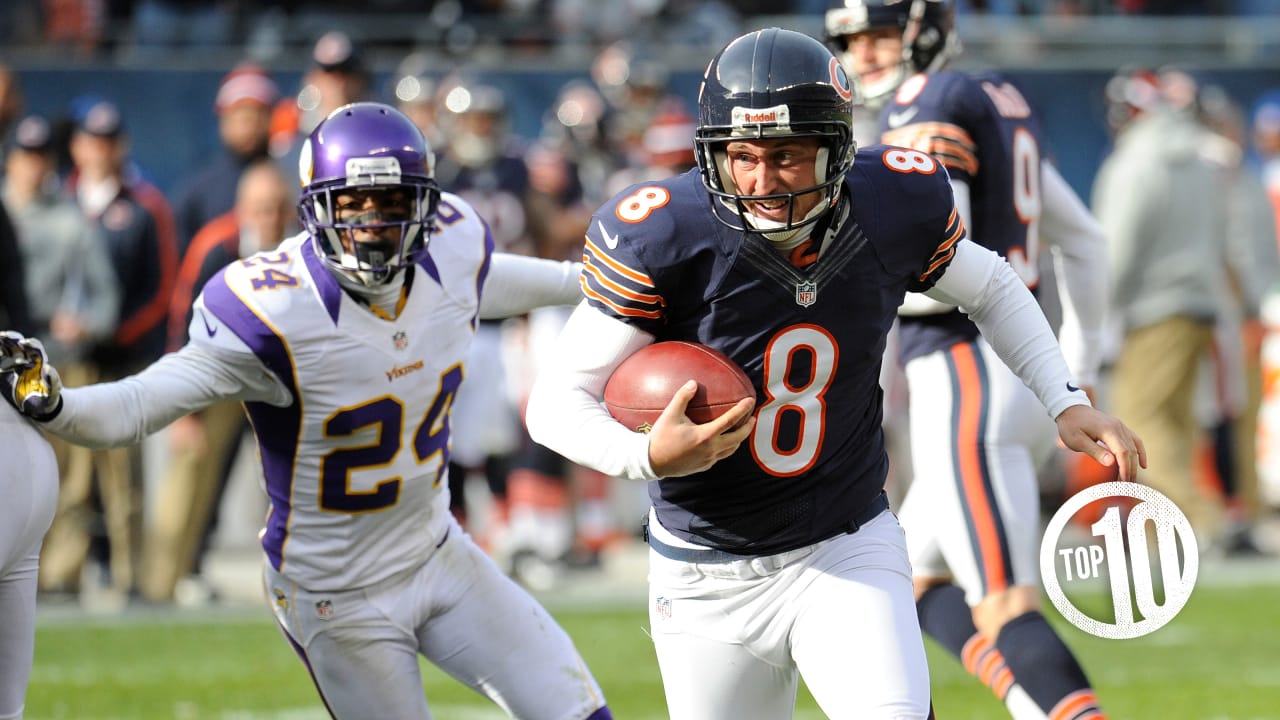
(647, 298)
(620, 309)
(947, 249)
(592, 251)
(950, 144)
(602, 280)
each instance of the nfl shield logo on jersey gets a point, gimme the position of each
(806, 293)
(324, 609)
(662, 608)
(400, 340)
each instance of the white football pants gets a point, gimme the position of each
(732, 638)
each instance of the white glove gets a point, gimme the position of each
(33, 385)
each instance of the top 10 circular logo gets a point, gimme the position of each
(1146, 559)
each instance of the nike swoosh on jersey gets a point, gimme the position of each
(610, 240)
(897, 119)
(212, 330)
(1072, 388)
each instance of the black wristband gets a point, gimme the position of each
(57, 409)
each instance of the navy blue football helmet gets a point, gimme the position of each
(928, 34)
(774, 83)
(358, 148)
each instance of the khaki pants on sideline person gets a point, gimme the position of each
(1246, 437)
(187, 496)
(1152, 390)
(118, 476)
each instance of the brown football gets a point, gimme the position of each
(644, 383)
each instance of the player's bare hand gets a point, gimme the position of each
(678, 446)
(1103, 438)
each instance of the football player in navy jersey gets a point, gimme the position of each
(772, 554)
(347, 344)
(972, 513)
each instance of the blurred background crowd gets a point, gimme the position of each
(104, 25)
(148, 143)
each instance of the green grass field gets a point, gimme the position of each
(1218, 660)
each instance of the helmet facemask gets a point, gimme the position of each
(722, 187)
(929, 40)
(371, 241)
(369, 196)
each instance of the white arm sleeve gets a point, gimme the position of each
(1005, 311)
(517, 284)
(1079, 252)
(921, 303)
(565, 412)
(122, 413)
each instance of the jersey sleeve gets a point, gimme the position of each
(952, 234)
(939, 121)
(125, 412)
(1006, 313)
(914, 223)
(464, 242)
(1079, 249)
(224, 327)
(517, 284)
(616, 278)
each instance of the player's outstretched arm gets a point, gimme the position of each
(517, 284)
(678, 446)
(1103, 438)
(124, 412)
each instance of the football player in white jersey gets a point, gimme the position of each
(345, 345)
(29, 486)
